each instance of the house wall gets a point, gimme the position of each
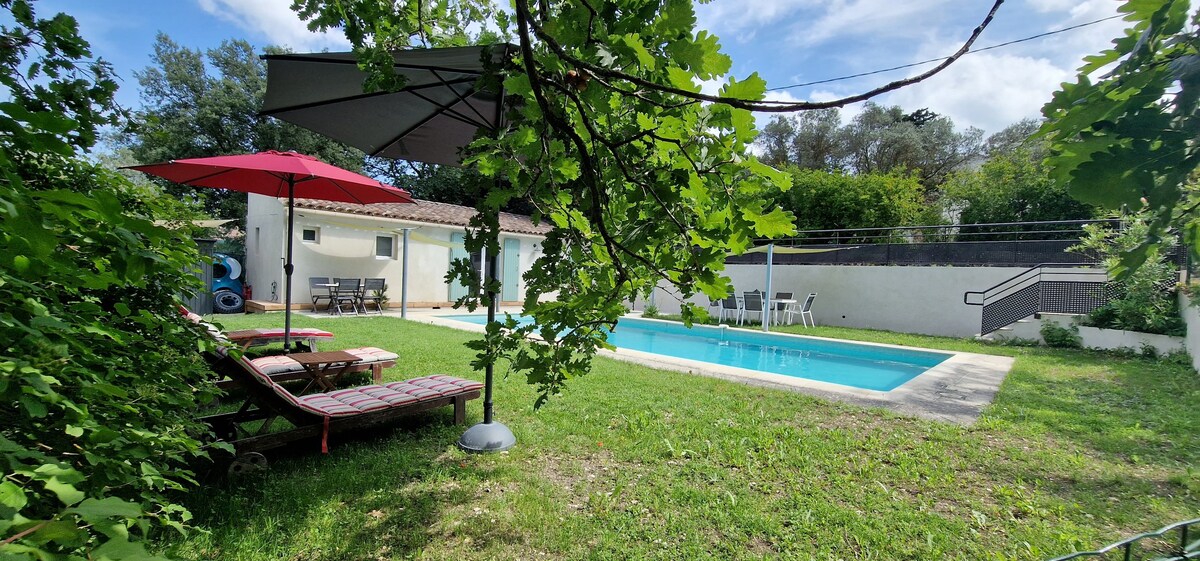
(346, 248)
(265, 225)
(926, 300)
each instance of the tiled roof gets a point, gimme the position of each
(427, 211)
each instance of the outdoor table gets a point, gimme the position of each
(247, 338)
(325, 367)
(779, 305)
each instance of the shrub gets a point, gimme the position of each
(1144, 298)
(1063, 337)
(98, 371)
(651, 311)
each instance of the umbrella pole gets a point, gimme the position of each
(766, 315)
(287, 269)
(488, 370)
(404, 278)
(488, 436)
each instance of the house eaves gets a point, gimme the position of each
(428, 212)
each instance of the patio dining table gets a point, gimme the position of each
(780, 305)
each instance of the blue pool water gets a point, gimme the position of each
(849, 364)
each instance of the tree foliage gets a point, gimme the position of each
(810, 140)
(97, 373)
(878, 140)
(1127, 139)
(1019, 135)
(609, 140)
(823, 201)
(1012, 186)
(1145, 299)
(190, 111)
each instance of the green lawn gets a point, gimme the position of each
(1079, 449)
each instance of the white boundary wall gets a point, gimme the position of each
(1191, 318)
(926, 300)
(1094, 337)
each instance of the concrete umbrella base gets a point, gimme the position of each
(487, 437)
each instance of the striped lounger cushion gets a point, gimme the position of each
(270, 334)
(363, 399)
(272, 365)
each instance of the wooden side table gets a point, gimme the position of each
(325, 367)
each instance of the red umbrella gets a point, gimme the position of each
(279, 174)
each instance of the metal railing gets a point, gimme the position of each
(935, 233)
(1184, 550)
(1046, 287)
(995, 244)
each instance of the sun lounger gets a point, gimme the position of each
(324, 414)
(305, 336)
(247, 338)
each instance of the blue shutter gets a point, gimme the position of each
(511, 276)
(457, 290)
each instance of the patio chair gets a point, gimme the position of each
(319, 291)
(321, 415)
(347, 293)
(730, 306)
(373, 292)
(805, 311)
(752, 304)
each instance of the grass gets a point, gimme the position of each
(1078, 450)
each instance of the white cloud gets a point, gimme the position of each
(741, 20)
(986, 90)
(993, 89)
(844, 19)
(1070, 47)
(713, 86)
(274, 20)
(1049, 6)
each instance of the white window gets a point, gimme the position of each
(385, 247)
(310, 235)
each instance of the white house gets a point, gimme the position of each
(349, 240)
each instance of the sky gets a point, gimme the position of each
(785, 41)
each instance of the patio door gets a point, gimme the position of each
(511, 274)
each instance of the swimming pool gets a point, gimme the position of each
(864, 366)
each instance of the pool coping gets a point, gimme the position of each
(955, 391)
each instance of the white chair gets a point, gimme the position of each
(805, 311)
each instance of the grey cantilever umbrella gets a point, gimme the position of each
(437, 112)
(430, 119)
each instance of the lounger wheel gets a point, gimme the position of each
(250, 462)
